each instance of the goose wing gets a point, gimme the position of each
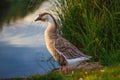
(67, 49)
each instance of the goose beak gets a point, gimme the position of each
(37, 19)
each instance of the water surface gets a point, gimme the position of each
(22, 48)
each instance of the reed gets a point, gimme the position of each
(93, 26)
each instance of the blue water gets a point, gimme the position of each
(22, 49)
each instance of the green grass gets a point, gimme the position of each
(107, 73)
(93, 26)
(49, 76)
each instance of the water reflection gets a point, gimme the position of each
(14, 9)
(22, 48)
(23, 34)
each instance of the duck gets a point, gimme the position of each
(65, 53)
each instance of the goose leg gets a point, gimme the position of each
(61, 69)
(66, 69)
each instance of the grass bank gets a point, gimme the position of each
(107, 73)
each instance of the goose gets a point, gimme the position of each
(65, 53)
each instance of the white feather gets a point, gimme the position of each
(72, 63)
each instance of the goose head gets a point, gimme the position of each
(43, 17)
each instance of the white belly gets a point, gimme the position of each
(72, 63)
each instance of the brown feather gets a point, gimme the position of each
(67, 49)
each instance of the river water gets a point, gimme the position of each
(22, 48)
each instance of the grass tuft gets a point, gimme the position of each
(93, 26)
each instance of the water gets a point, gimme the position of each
(22, 48)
